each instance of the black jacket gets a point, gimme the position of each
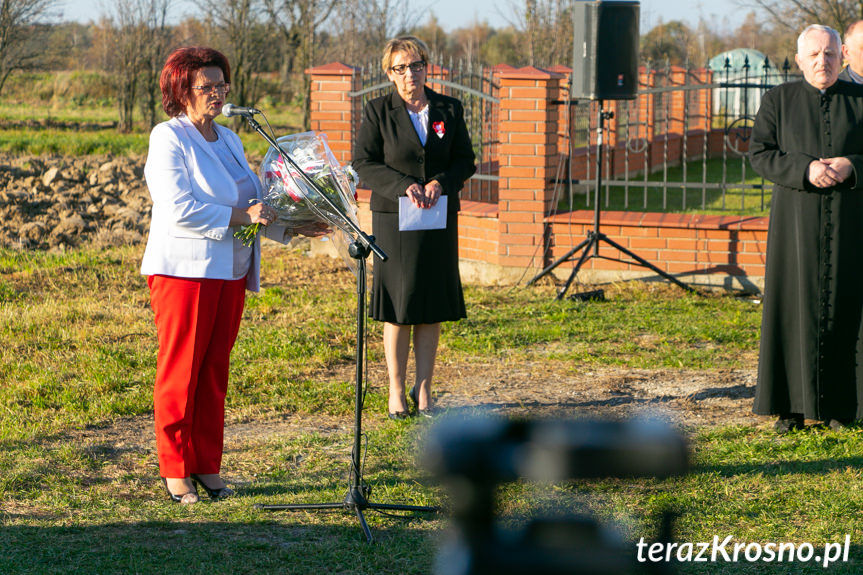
(388, 155)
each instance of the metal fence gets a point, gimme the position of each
(680, 145)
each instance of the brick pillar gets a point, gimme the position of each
(528, 158)
(331, 106)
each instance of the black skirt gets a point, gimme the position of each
(419, 283)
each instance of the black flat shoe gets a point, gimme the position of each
(837, 424)
(788, 422)
(189, 498)
(214, 494)
(398, 415)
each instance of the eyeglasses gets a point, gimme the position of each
(207, 90)
(417, 66)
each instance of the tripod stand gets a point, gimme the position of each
(357, 497)
(595, 236)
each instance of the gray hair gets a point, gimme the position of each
(802, 37)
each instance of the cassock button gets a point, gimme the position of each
(420, 160)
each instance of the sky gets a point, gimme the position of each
(452, 14)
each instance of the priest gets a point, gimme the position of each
(808, 140)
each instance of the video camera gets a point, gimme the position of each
(472, 457)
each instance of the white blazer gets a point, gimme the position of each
(193, 195)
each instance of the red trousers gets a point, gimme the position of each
(197, 321)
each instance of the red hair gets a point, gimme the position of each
(176, 78)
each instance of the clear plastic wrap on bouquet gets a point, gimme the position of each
(298, 203)
(292, 197)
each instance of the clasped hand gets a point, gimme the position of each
(424, 196)
(828, 172)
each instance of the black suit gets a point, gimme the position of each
(420, 281)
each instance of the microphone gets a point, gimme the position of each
(229, 110)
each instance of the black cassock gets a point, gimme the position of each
(811, 355)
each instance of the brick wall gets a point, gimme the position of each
(680, 244)
(331, 107)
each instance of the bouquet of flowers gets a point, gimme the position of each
(332, 199)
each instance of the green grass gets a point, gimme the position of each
(649, 196)
(59, 323)
(77, 465)
(745, 483)
(642, 326)
(74, 122)
(71, 143)
(80, 143)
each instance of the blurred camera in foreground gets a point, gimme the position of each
(473, 456)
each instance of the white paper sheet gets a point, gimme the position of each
(412, 218)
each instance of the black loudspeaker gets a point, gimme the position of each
(605, 50)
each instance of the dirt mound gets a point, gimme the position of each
(57, 202)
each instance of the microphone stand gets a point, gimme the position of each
(357, 497)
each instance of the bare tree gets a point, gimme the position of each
(21, 34)
(157, 37)
(119, 33)
(386, 19)
(298, 22)
(545, 28)
(365, 26)
(137, 32)
(240, 33)
(794, 15)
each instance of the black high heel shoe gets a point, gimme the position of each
(188, 498)
(427, 412)
(214, 494)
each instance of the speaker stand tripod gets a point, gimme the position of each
(595, 236)
(357, 497)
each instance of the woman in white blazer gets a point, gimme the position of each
(202, 189)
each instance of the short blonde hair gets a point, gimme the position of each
(406, 44)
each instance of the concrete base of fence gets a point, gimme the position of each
(708, 282)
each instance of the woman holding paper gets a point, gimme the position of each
(414, 144)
